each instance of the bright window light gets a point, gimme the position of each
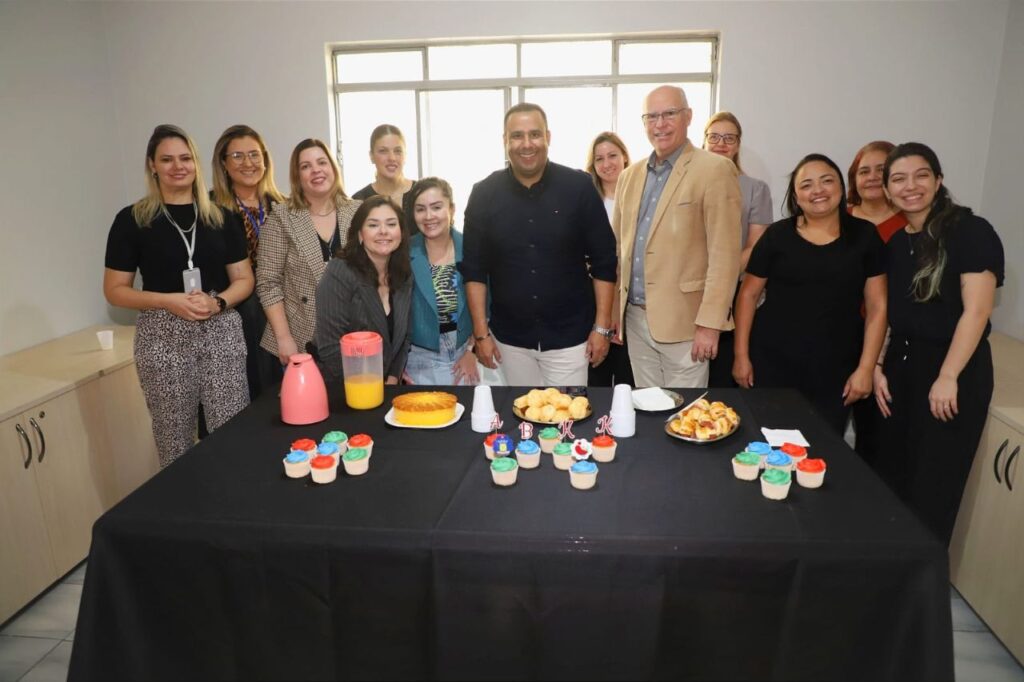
(472, 61)
(665, 57)
(587, 58)
(379, 67)
(575, 117)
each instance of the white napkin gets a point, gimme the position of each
(777, 437)
(652, 399)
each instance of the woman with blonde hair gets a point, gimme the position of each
(606, 159)
(243, 184)
(387, 154)
(299, 238)
(188, 341)
(723, 135)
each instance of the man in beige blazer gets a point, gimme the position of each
(677, 224)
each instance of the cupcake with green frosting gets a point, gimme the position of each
(561, 455)
(746, 466)
(356, 461)
(775, 483)
(504, 471)
(549, 437)
(339, 438)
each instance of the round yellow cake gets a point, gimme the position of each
(424, 408)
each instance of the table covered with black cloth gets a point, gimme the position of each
(670, 568)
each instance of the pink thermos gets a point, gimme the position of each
(303, 392)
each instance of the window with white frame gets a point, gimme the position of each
(449, 99)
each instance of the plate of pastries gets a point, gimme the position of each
(703, 422)
(550, 406)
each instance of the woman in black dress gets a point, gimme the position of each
(935, 384)
(817, 265)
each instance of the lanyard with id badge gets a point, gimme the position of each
(192, 280)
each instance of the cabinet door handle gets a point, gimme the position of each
(42, 439)
(1009, 461)
(28, 444)
(995, 465)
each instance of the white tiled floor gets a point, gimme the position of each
(36, 646)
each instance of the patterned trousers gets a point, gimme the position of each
(182, 363)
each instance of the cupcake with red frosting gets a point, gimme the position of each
(810, 473)
(307, 445)
(489, 444)
(603, 448)
(323, 469)
(797, 453)
(361, 440)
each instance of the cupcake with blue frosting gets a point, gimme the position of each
(761, 449)
(778, 459)
(583, 474)
(296, 464)
(528, 454)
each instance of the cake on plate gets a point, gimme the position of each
(424, 408)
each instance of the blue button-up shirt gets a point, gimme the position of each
(657, 178)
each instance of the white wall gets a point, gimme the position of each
(60, 170)
(802, 76)
(1001, 202)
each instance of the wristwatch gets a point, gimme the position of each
(221, 302)
(603, 331)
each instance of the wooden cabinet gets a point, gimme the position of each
(81, 442)
(27, 565)
(987, 549)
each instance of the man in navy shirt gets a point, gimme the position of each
(537, 238)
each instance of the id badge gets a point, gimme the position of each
(192, 280)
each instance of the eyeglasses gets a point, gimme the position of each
(658, 115)
(255, 157)
(728, 138)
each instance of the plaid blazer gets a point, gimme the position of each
(289, 268)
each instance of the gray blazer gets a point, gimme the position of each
(347, 303)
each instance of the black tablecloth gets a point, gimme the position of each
(220, 567)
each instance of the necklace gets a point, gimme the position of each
(333, 209)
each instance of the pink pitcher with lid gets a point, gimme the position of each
(303, 392)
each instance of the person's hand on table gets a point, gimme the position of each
(942, 398)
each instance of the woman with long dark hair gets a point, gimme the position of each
(817, 265)
(368, 287)
(935, 383)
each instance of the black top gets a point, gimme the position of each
(972, 245)
(814, 292)
(160, 256)
(410, 225)
(533, 247)
(327, 249)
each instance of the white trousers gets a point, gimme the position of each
(660, 364)
(536, 368)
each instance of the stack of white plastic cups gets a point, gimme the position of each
(623, 413)
(483, 409)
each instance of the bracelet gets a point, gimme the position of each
(485, 336)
